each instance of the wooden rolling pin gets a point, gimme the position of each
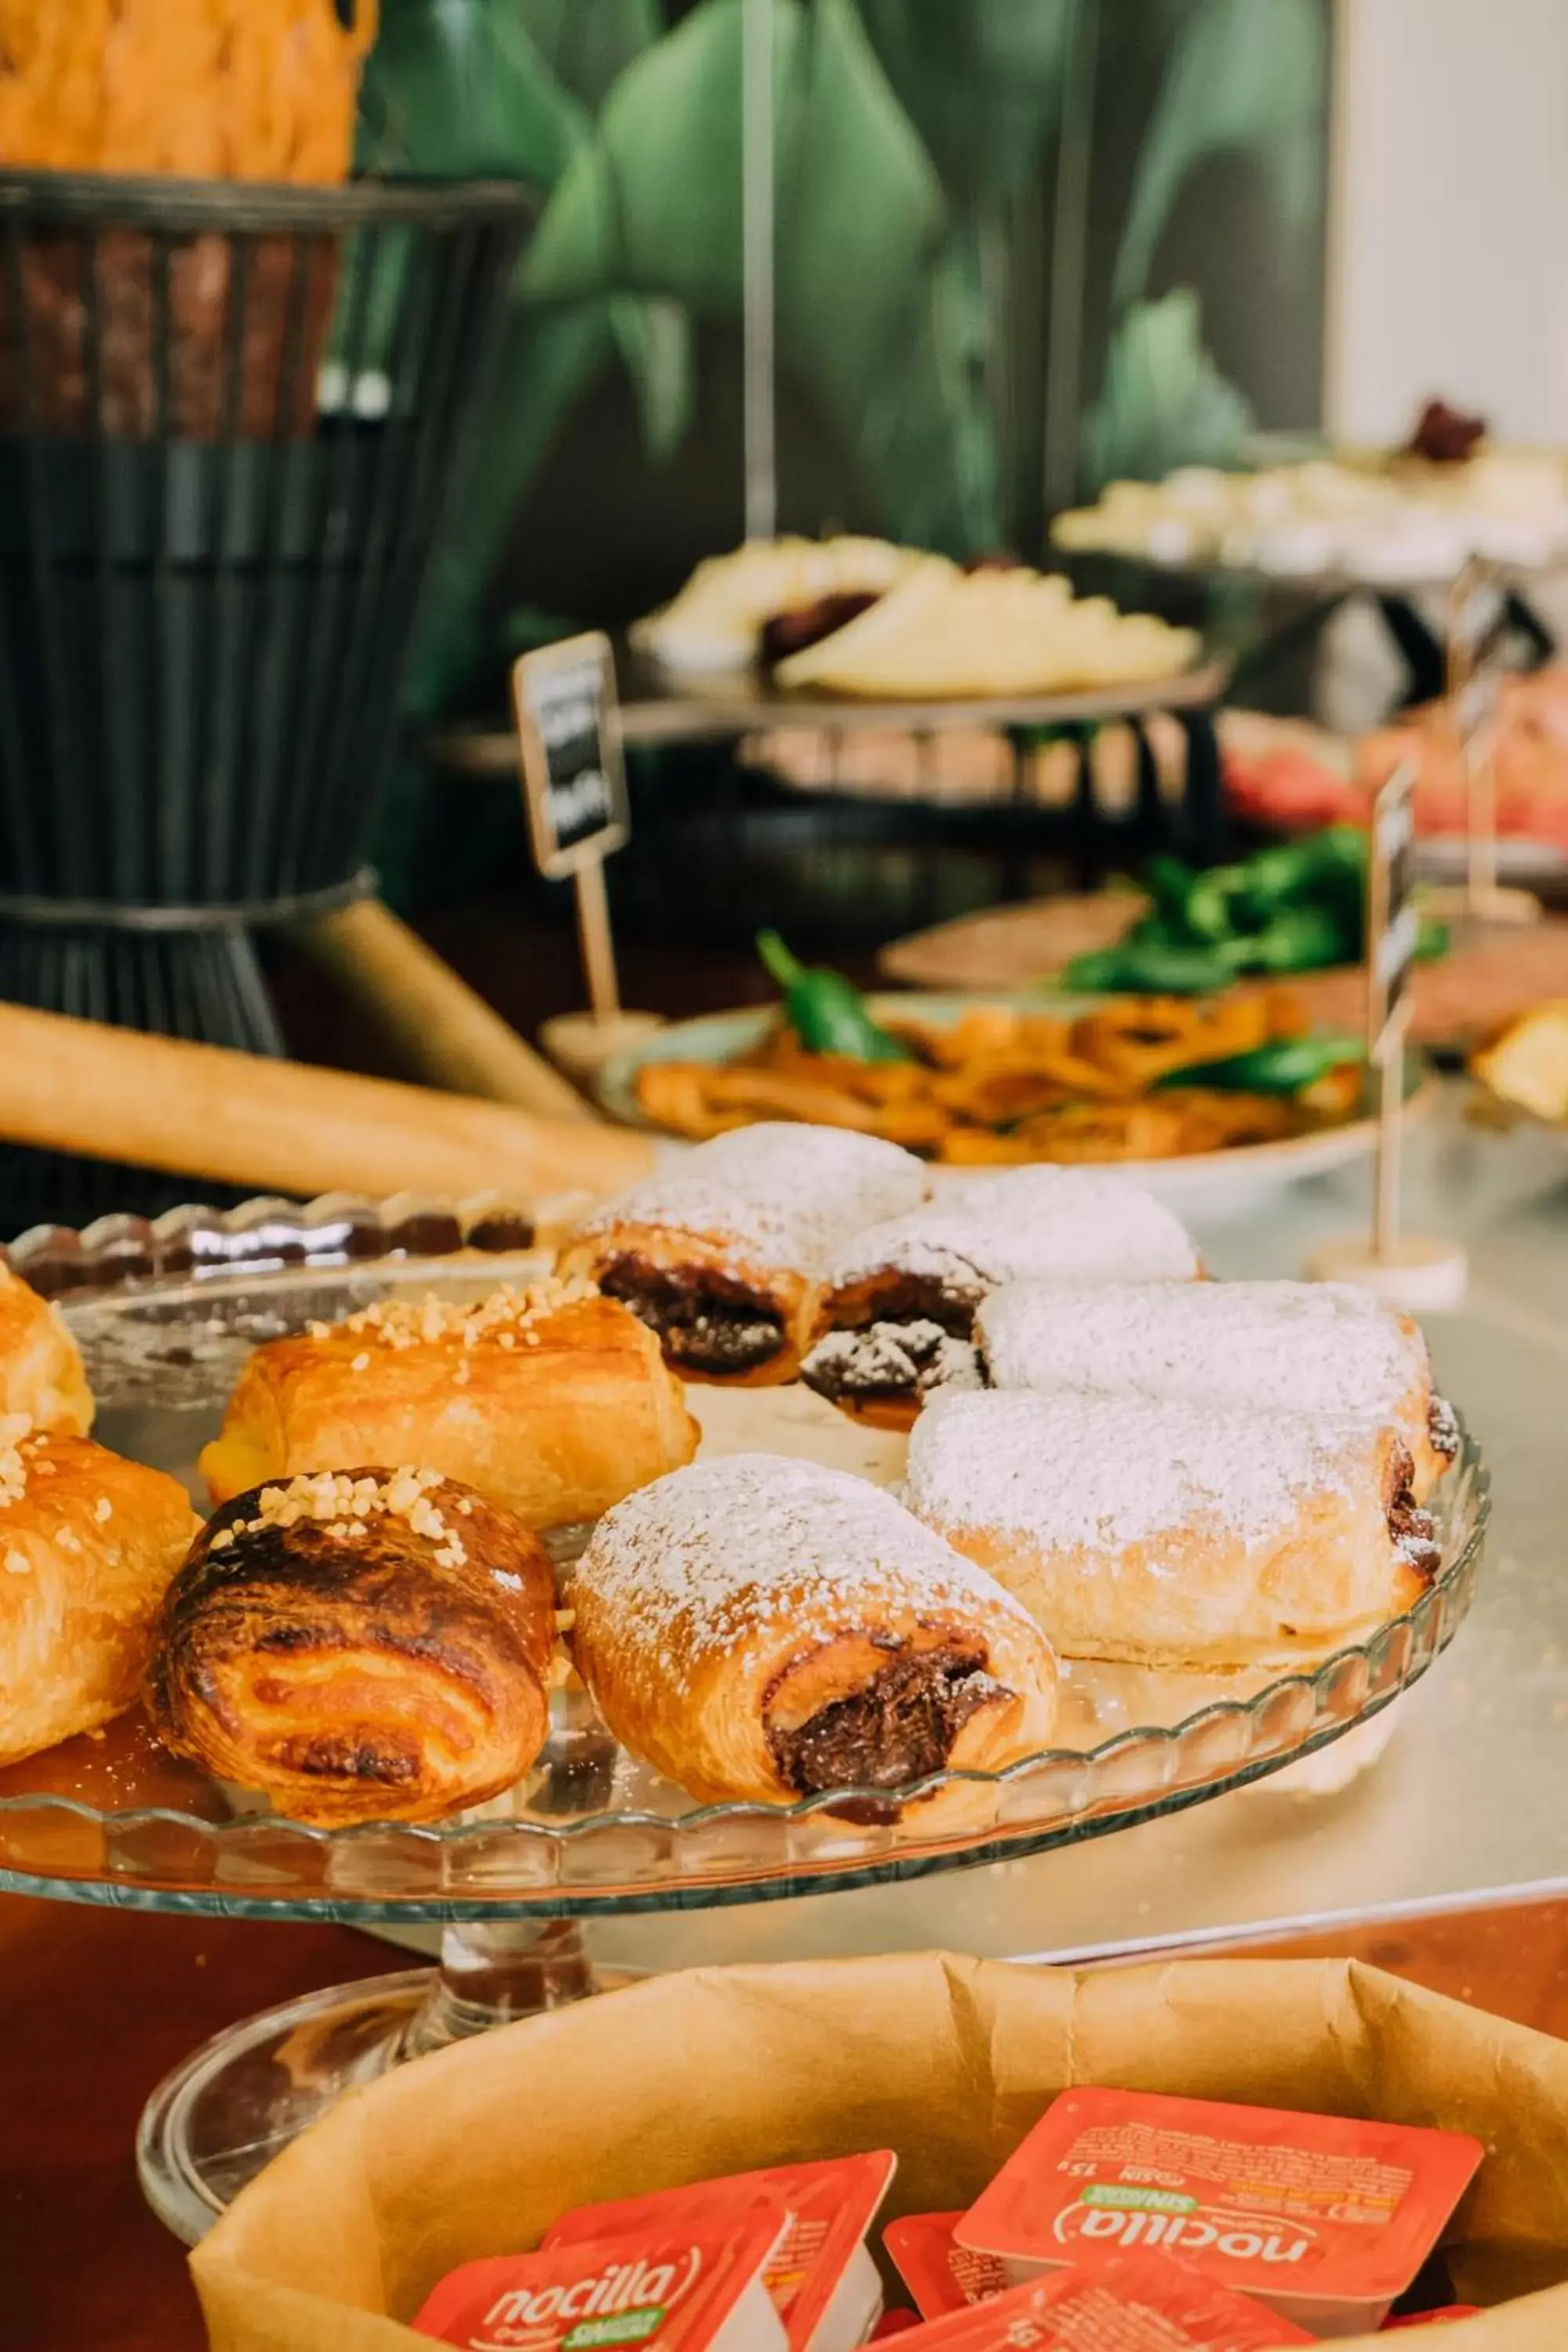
(442, 1032)
(284, 1127)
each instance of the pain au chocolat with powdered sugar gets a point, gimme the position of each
(762, 1629)
(1177, 1536)
(896, 1320)
(1285, 1347)
(725, 1255)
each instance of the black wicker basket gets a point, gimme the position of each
(230, 417)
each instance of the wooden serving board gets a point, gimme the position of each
(1490, 976)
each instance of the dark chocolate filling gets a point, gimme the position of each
(1414, 1536)
(899, 1728)
(706, 1320)
(889, 1359)
(1442, 1429)
(911, 1299)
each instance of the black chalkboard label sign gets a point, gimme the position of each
(574, 776)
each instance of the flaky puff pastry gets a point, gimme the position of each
(89, 1543)
(41, 1375)
(359, 1645)
(1172, 1536)
(760, 1628)
(553, 1403)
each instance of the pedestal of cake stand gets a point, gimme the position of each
(237, 2102)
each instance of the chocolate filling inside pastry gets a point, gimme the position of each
(1415, 1535)
(890, 1359)
(900, 1726)
(1442, 1429)
(911, 1299)
(705, 1320)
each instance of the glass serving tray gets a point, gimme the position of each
(166, 1314)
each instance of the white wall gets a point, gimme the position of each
(1448, 241)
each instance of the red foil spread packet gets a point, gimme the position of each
(694, 2287)
(941, 2274)
(1327, 2218)
(823, 2282)
(1121, 2303)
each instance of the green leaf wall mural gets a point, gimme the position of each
(916, 145)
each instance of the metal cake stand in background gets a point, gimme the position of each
(165, 1315)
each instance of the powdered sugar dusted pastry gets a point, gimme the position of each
(41, 1375)
(1170, 1535)
(766, 1629)
(1287, 1347)
(725, 1255)
(551, 1402)
(898, 1315)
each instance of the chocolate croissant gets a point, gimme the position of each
(725, 1256)
(1171, 1536)
(1267, 1347)
(41, 1374)
(896, 1319)
(359, 1645)
(760, 1628)
(553, 1403)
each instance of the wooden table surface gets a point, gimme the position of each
(97, 2005)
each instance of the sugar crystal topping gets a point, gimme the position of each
(695, 1561)
(1058, 1225)
(16, 1429)
(1100, 1473)
(346, 1505)
(785, 1196)
(1289, 1347)
(506, 1317)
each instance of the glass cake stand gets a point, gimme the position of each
(166, 1314)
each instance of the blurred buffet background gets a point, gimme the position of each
(1042, 464)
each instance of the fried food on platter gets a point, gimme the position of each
(1002, 1088)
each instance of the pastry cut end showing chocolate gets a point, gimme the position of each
(1414, 1530)
(706, 1321)
(1443, 1429)
(900, 1726)
(890, 1359)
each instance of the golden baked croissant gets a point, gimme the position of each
(554, 1403)
(725, 1255)
(41, 1375)
(760, 1628)
(360, 1645)
(89, 1543)
(1172, 1535)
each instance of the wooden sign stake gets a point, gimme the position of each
(575, 789)
(1472, 697)
(1416, 1271)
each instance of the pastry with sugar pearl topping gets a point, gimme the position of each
(725, 1254)
(1173, 1534)
(89, 1544)
(1287, 1347)
(41, 1375)
(764, 1629)
(896, 1320)
(551, 1402)
(363, 1644)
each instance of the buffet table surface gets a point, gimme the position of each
(96, 2005)
(1446, 1860)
